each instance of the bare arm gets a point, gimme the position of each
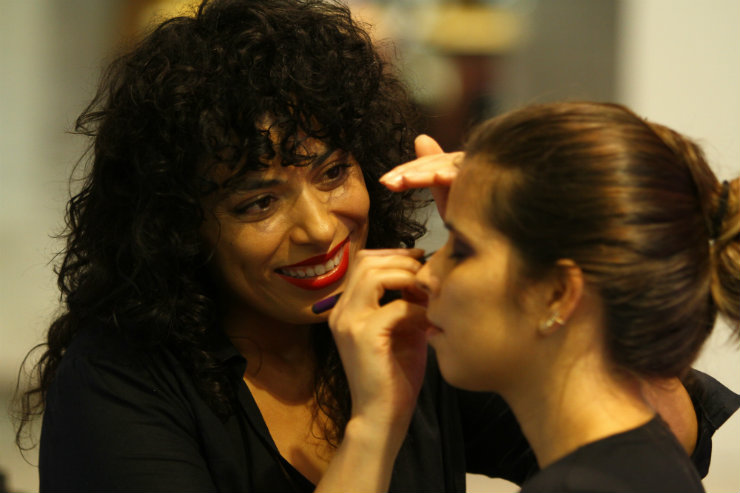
(383, 350)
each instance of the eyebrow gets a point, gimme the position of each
(451, 228)
(253, 180)
(248, 183)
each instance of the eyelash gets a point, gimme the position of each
(340, 167)
(243, 209)
(458, 251)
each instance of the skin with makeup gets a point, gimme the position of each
(282, 239)
(544, 321)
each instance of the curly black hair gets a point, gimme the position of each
(197, 90)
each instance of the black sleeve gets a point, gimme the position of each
(109, 427)
(494, 443)
(714, 404)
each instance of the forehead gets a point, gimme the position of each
(244, 175)
(469, 194)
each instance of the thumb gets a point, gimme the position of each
(426, 146)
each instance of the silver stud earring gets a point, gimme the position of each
(552, 323)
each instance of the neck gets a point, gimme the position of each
(571, 401)
(274, 350)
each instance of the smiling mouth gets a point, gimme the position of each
(320, 271)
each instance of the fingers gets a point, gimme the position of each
(428, 171)
(394, 317)
(383, 348)
(375, 272)
(424, 145)
(416, 295)
(388, 252)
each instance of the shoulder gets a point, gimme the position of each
(120, 417)
(103, 379)
(645, 459)
(100, 358)
(714, 404)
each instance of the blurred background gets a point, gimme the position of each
(676, 62)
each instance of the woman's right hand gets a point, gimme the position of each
(383, 348)
(433, 169)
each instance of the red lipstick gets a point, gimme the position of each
(319, 259)
(323, 280)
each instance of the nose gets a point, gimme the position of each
(313, 221)
(425, 280)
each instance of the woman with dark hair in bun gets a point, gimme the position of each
(233, 180)
(589, 252)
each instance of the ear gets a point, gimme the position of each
(564, 295)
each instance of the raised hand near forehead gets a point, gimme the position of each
(433, 168)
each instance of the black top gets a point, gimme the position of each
(642, 460)
(121, 419)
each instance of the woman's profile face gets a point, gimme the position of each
(284, 237)
(479, 332)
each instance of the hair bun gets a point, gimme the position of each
(726, 254)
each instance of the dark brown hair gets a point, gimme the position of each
(636, 206)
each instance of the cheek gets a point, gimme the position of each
(352, 201)
(472, 314)
(362, 206)
(237, 252)
(463, 295)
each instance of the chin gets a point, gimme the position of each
(304, 318)
(459, 375)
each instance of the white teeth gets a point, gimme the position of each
(314, 270)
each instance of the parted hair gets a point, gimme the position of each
(195, 91)
(636, 206)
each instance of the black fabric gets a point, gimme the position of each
(714, 404)
(122, 419)
(643, 460)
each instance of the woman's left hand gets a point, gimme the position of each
(433, 169)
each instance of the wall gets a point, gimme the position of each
(51, 53)
(679, 64)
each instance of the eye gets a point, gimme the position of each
(335, 174)
(256, 208)
(459, 250)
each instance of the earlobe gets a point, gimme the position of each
(565, 296)
(551, 325)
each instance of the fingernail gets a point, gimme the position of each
(391, 180)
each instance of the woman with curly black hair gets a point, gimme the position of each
(252, 130)
(233, 180)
